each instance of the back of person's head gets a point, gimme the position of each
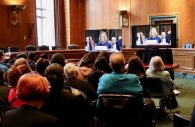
(58, 58)
(135, 66)
(156, 64)
(44, 55)
(13, 56)
(55, 75)
(41, 65)
(104, 54)
(102, 64)
(22, 55)
(32, 87)
(87, 60)
(117, 62)
(20, 61)
(31, 56)
(14, 73)
(70, 70)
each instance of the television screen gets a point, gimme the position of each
(154, 36)
(103, 39)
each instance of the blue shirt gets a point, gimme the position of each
(3, 67)
(109, 46)
(119, 83)
(155, 38)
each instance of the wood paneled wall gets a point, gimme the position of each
(77, 22)
(102, 14)
(19, 35)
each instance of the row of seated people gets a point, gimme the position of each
(74, 89)
(31, 48)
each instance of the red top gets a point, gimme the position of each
(13, 100)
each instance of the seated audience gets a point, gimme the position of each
(44, 55)
(157, 69)
(33, 90)
(69, 105)
(3, 67)
(58, 58)
(22, 55)
(135, 66)
(122, 83)
(70, 71)
(41, 65)
(31, 61)
(12, 59)
(101, 67)
(85, 65)
(13, 75)
(104, 54)
(118, 81)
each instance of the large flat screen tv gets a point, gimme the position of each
(103, 39)
(154, 36)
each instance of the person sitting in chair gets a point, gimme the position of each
(119, 82)
(157, 69)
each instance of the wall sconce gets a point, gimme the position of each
(15, 15)
(124, 18)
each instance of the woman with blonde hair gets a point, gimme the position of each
(157, 69)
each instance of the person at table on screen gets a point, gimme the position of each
(168, 37)
(103, 40)
(119, 43)
(153, 35)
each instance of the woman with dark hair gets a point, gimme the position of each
(41, 65)
(85, 65)
(69, 105)
(101, 66)
(58, 58)
(104, 54)
(135, 66)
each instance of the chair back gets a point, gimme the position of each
(43, 47)
(73, 46)
(180, 121)
(120, 109)
(13, 49)
(156, 87)
(30, 48)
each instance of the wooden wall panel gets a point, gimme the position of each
(77, 22)
(15, 35)
(139, 11)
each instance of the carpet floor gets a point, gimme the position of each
(186, 100)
